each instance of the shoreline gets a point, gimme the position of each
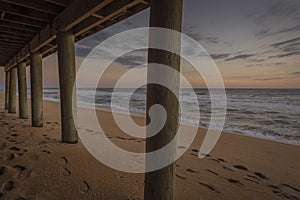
(140, 114)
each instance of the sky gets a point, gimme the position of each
(255, 44)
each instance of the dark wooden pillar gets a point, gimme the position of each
(12, 90)
(7, 76)
(160, 184)
(36, 74)
(67, 77)
(22, 88)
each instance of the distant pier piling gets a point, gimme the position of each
(7, 76)
(12, 90)
(36, 74)
(22, 88)
(67, 77)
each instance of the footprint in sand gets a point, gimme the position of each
(235, 182)
(260, 175)
(240, 167)
(10, 156)
(14, 135)
(291, 187)
(211, 171)
(84, 187)
(228, 169)
(279, 190)
(191, 170)
(250, 180)
(46, 151)
(253, 177)
(89, 130)
(180, 177)
(3, 146)
(2, 170)
(15, 149)
(64, 159)
(210, 187)
(20, 168)
(66, 172)
(8, 186)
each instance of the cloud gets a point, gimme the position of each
(194, 32)
(280, 17)
(133, 59)
(258, 60)
(266, 64)
(295, 73)
(241, 56)
(285, 55)
(219, 56)
(278, 44)
(267, 32)
(268, 79)
(288, 48)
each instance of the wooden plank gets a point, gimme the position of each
(68, 20)
(9, 31)
(82, 22)
(23, 21)
(25, 12)
(37, 5)
(64, 3)
(10, 44)
(11, 36)
(4, 25)
(112, 9)
(13, 41)
(2, 47)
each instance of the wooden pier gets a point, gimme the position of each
(30, 30)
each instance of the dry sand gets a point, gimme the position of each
(35, 165)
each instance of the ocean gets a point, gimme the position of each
(272, 114)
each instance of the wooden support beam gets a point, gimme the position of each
(64, 3)
(109, 12)
(160, 184)
(25, 12)
(12, 91)
(37, 5)
(17, 33)
(36, 75)
(13, 36)
(6, 49)
(22, 89)
(12, 41)
(69, 19)
(6, 25)
(9, 44)
(67, 77)
(23, 21)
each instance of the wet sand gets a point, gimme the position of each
(35, 165)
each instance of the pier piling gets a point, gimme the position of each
(36, 74)
(22, 88)
(160, 184)
(7, 76)
(12, 90)
(67, 76)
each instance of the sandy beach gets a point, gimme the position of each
(34, 164)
